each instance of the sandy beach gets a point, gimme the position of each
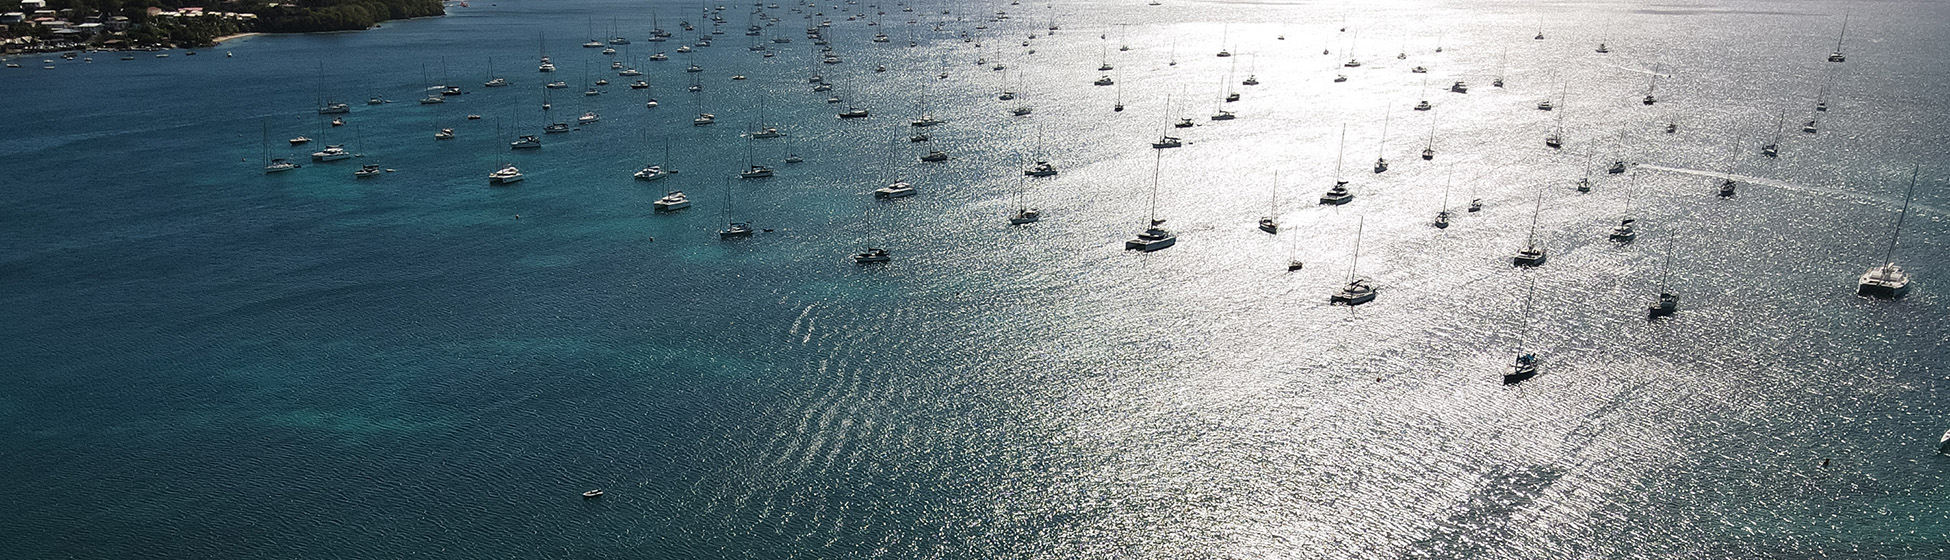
(220, 40)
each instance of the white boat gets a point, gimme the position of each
(369, 170)
(557, 85)
(588, 117)
(296, 140)
(279, 165)
(444, 134)
(853, 113)
(767, 132)
(899, 189)
(1889, 281)
(672, 201)
(333, 152)
(927, 120)
(497, 82)
(704, 119)
(506, 175)
(526, 142)
(556, 128)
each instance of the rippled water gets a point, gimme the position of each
(207, 362)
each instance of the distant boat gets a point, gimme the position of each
(1271, 222)
(1627, 229)
(1667, 302)
(672, 201)
(1339, 194)
(1889, 281)
(1153, 237)
(1357, 290)
(1525, 366)
(1442, 217)
(592, 494)
(444, 134)
(1381, 152)
(506, 175)
(871, 256)
(1773, 147)
(1532, 254)
(526, 142)
(333, 152)
(366, 171)
(1837, 55)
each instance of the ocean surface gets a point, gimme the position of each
(202, 361)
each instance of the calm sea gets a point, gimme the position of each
(204, 361)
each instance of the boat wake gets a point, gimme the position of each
(1804, 189)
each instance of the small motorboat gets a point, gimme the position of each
(870, 256)
(592, 494)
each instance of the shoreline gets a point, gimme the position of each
(220, 40)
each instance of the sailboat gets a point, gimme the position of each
(1271, 223)
(494, 81)
(1531, 254)
(1380, 160)
(1357, 290)
(1626, 230)
(1525, 366)
(1667, 302)
(1024, 214)
(659, 170)
(1153, 237)
(273, 165)
(1556, 138)
(1837, 55)
(1773, 148)
(732, 230)
(1584, 183)
(1501, 64)
(1653, 86)
(1428, 153)
(1223, 114)
(1889, 281)
(1042, 167)
(1339, 194)
(1167, 141)
(1442, 217)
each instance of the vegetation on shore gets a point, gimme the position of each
(295, 16)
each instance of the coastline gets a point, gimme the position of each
(220, 40)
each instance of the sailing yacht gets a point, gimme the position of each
(1649, 89)
(1357, 290)
(1666, 303)
(333, 152)
(1339, 194)
(506, 175)
(898, 189)
(1837, 55)
(1889, 281)
(1773, 148)
(1442, 217)
(1525, 366)
(672, 201)
(1153, 238)
(1428, 152)
(1271, 223)
(1381, 152)
(1532, 254)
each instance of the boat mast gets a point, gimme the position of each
(1889, 256)
(1838, 39)
(1534, 213)
(1337, 157)
(1359, 227)
(1387, 114)
(1156, 163)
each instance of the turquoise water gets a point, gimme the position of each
(204, 361)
